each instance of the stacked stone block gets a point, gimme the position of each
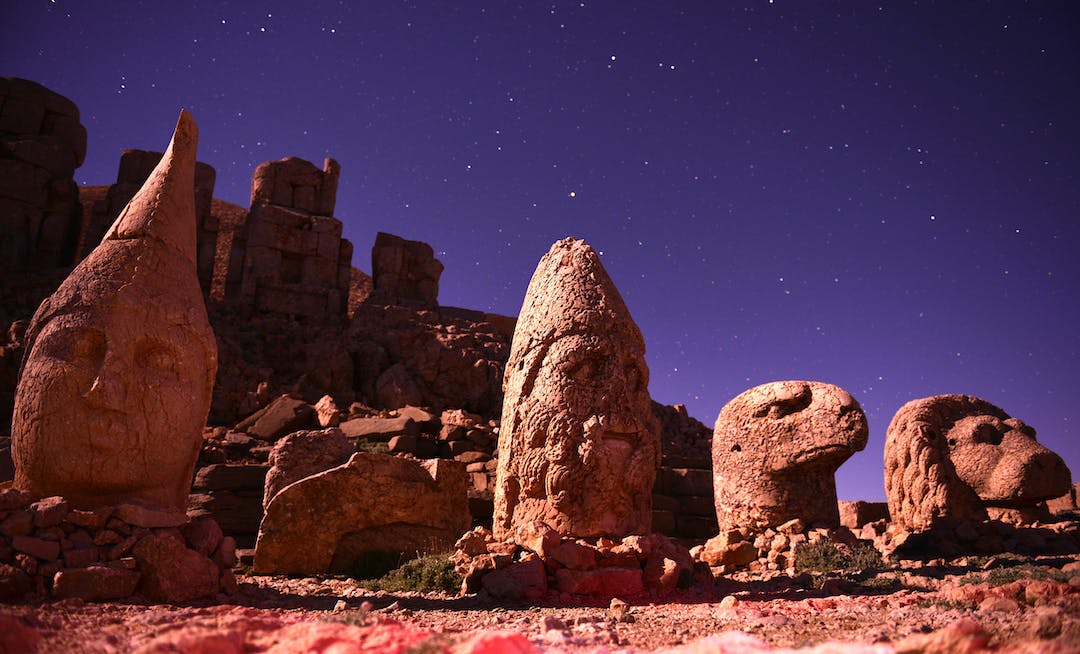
(42, 142)
(294, 259)
(405, 272)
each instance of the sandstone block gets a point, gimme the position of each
(46, 550)
(380, 503)
(854, 515)
(600, 581)
(302, 454)
(526, 580)
(231, 476)
(171, 572)
(284, 415)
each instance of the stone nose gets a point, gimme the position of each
(1045, 476)
(109, 388)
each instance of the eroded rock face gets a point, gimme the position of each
(579, 444)
(120, 362)
(954, 456)
(775, 450)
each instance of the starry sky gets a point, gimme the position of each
(882, 196)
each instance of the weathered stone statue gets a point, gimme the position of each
(955, 456)
(579, 445)
(776, 448)
(120, 360)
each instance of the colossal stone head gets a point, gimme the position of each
(579, 445)
(955, 456)
(776, 448)
(120, 360)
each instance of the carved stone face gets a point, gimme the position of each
(120, 363)
(579, 444)
(111, 400)
(776, 448)
(585, 420)
(1002, 462)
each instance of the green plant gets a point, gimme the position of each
(1002, 576)
(357, 617)
(824, 556)
(372, 447)
(426, 574)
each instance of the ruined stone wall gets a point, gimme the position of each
(290, 258)
(42, 142)
(405, 272)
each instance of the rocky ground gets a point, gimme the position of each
(1000, 604)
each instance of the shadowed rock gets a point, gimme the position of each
(579, 444)
(776, 448)
(120, 362)
(955, 456)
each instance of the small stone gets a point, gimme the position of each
(729, 601)
(618, 610)
(95, 583)
(50, 511)
(141, 515)
(46, 550)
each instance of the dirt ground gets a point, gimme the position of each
(1015, 605)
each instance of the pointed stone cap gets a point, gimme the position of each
(571, 293)
(164, 208)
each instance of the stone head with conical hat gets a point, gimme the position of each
(579, 445)
(120, 361)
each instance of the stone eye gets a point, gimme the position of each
(89, 347)
(156, 356)
(585, 371)
(987, 433)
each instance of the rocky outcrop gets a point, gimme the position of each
(775, 450)
(374, 504)
(437, 358)
(42, 142)
(579, 446)
(959, 458)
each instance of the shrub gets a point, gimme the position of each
(427, 574)
(824, 556)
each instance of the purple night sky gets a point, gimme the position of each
(882, 196)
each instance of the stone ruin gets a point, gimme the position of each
(776, 449)
(42, 142)
(954, 458)
(405, 272)
(391, 345)
(290, 258)
(579, 445)
(109, 412)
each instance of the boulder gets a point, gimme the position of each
(373, 503)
